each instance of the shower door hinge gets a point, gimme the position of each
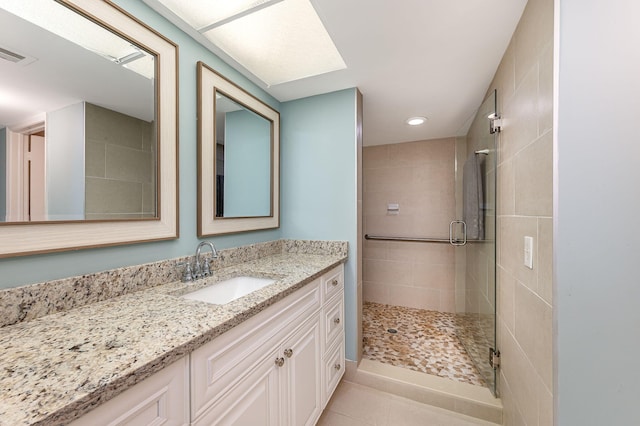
(495, 123)
(494, 358)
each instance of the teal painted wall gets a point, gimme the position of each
(247, 165)
(318, 171)
(318, 180)
(37, 268)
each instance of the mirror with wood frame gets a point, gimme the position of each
(88, 145)
(238, 158)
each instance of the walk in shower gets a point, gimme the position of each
(429, 254)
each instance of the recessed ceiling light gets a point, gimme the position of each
(416, 121)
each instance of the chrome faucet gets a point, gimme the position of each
(200, 268)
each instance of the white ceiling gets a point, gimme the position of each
(60, 73)
(408, 58)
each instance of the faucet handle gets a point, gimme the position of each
(187, 276)
(206, 269)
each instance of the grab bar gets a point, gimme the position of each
(419, 240)
(410, 239)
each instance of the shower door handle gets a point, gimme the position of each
(456, 242)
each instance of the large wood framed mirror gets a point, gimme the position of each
(88, 128)
(238, 158)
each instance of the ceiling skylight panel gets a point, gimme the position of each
(281, 43)
(203, 13)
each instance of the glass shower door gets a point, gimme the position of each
(476, 157)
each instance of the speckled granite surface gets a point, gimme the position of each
(59, 366)
(33, 301)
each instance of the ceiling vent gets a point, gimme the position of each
(14, 57)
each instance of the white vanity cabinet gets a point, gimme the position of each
(273, 368)
(279, 368)
(332, 318)
(162, 399)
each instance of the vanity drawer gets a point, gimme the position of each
(334, 367)
(332, 282)
(333, 319)
(219, 364)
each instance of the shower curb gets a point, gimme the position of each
(463, 398)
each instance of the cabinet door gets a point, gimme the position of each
(253, 401)
(162, 399)
(301, 395)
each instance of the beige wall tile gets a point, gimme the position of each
(534, 178)
(534, 32)
(95, 159)
(386, 180)
(545, 259)
(533, 330)
(511, 416)
(112, 196)
(439, 277)
(507, 188)
(375, 157)
(387, 272)
(545, 91)
(374, 292)
(520, 116)
(112, 127)
(374, 249)
(128, 164)
(504, 82)
(149, 199)
(521, 377)
(506, 299)
(434, 254)
(413, 297)
(525, 78)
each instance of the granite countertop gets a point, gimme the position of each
(60, 366)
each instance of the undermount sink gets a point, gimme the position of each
(229, 290)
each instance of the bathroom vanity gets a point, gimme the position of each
(273, 356)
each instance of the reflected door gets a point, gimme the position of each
(36, 179)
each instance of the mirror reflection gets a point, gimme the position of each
(243, 160)
(78, 134)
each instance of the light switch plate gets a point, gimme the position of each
(528, 252)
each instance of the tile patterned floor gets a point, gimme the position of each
(425, 341)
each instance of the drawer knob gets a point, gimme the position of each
(288, 352)
(280, 362)
(337, 366)
(334, 282)
(336, 321)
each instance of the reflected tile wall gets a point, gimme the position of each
(119, 165)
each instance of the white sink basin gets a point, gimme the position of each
(228, 290)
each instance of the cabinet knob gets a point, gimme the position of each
(280, 362)
(334, 282)
(337, 366)
(288, 353)
(336, 321)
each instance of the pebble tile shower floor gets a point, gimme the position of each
(425, 341)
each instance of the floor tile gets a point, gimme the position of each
(420, 340)
(356, 405)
